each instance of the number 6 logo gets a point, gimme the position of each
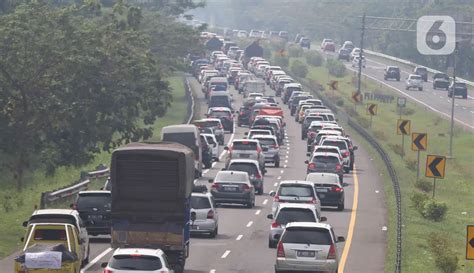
(435, 35)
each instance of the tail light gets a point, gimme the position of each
(332, 252)
(214, 186)
(275, 224)
(346, 154)
(210, 214)
(74, 206)
(336, 189)
(108, 271)
(313, 201)
(258, 176)
(338, 167)
(281, 250)
(246, 187)
(312, 166)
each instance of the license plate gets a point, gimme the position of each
(305, 253)
(195, 227)
(321, 190)
(95, 217)
(322, 195)
(244, 156)
(230, 188)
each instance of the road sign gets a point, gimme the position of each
(470, 243)
(403, 127)
(435, 166)
(419, 141)
(372, 109)
(333, 85)
(401, 102)
(357, 97)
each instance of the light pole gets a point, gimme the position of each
(453, 95)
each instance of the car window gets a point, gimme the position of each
(220, 114)
(200, 202)
(187, 139)
(296, 190)
(325, 159)
(227, 177)
(326, 150)
(49, 235)
(288, 215)
(244, 145)
(135, 262)
(301, 235)
(244, 167)
(340, 144)
(93, 201)
(210, 140)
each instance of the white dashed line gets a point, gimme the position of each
(464, 108)
(384, 228)
(282, 171)
(212, 271)
(376, 191)
(265, 201)
(226, 253)
(276, 184)
(258, 212)
(279, 177)
(284, 166)
(249, 224)
(239, 237)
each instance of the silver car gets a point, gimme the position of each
(308, 247)
(204, 216)
(414, 81)
(287, 213)
(295, 191)
(270, 148)
(245, 149)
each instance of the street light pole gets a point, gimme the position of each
(453, 95)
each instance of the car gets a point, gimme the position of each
(392, 72)
(253, 132)
(422, 71)
(94, 207)
(233, 187)
(215, 124)
(270, 147)
(344, 54)
(251, 167)
(344, 150)
(325, 42)
(355, 61)
(243, 117)
(459, 90)
(440, 81)
(348, 45)
(355, 52)
(414, 81)
(329, 46)
(204, 215)
(321, 133)
(295, 191)
(283, 35)
(325, 163)
(226, 116)
(308, 120)
(245, 149)
(206, 152)
(296, 100)
(305, 42)
(329, 189)
(352, 148)
(214, 145)
(308, 247)
(288, 213)
(126, 260)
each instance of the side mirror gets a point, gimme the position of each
(210, 180)
(270, 216)
(104, 265)
(306, 161)
(193, 216)
(226, 148)
(25, 224)
(272, 193)
(355, 148)
(340, 239)
(323, 219)
(22, 239)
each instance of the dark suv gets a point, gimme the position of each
(422, 71)
(305, 42)
(344, 54)
(440, 80)
(94, 207)
(392, 72)
(460, 90)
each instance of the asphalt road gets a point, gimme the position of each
(433, 100)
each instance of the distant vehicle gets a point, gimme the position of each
(140, 259)
(245, 149)
(348, 45)
(355, 61)
(206, 218)
(295, 191)
(325, 163)
(212, 141)
(329, 46)
(215, 124)
(414, 81)
(392, 72)
(355, 52)
(255, 33)
(323, 43)
(242, 34)
(283, 35)
(308, 247)
(270, 148)
(441, 81)
(305, 42)
(252, 168)
(233, 187)
(94, 207)
(243, 116)
(329, 189)
(422, 71)
(460, 90)
(344, 54)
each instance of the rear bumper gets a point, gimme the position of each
(221, 197)
(203, 226)
(301, 265)
(102, 229)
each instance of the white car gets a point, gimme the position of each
(355, 52)
(129, 260)
(414, 81)
(355, 61)
(204, 216)
(212, 141)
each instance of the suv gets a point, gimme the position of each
(245, 149)
(344, 54)
(295, 191)
(414, 81)
(287, 213)
(204, 217)
(270, 147)
(325, 163)
(94, 207)
(233, 187)
(252, 169)
(329, 189)
(459, 90)
(308, 247)
(225, 115)
(305, 42)
(392, 72)
(440, 80)
(422, 71)
(140, 259)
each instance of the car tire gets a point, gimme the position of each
(271, 244)
(277, 163)
(340, 207)
(213, 234)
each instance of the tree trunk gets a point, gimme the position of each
(19, 169)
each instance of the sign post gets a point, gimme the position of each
(419, 142)
(371, 111)
(401, 102)
(435, 168)
(470, 242)
(403, 128)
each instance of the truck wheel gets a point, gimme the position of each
(213, 234)
(178, 268)
(340, 207)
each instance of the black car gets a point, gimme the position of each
(243, 117)
(206, 153)
(344, 54)
(94, 207)
(460, 90)
(305, 42)
(392, 72)
(295, 102)
(329, 189)
(306, 123)
(441, 81)
(422, 71)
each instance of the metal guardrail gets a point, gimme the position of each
(189, 95)
(388, 57)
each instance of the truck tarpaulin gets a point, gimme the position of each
(271, 112)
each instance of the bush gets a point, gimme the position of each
(313, 58)
(441, 246)
(398, 149)
(424, 185)
(281, 61)
(411, 163)
(351, 111)
(408, 111)
(299, 69)
(418, 200)
(336, 68)
(434, 210)
(295, 51)
(340, 102)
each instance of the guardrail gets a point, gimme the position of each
(402, 61)
(189, 95)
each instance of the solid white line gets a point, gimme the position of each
(226, 253)
(239, 237)
(249, 224)
(265, 201)
(96, 259)
(258, 212)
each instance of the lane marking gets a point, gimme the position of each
(226, 253)
(258, 212)
(212, 271)
(284, 166)
(249, 224)
(279, 177)
(350, 231)
(282, 171)
(239, 237)
(286, 161)
(96, 259)
(265, 201)
(276, 184)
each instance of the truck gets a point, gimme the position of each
(151, 191)
(50, 248)
(253, 86)
(252, 50)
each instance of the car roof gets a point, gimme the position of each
(93, 192)
(325, 154)
(253, 161)
(319, 175)
(55, 211)
(308, 225)
(295, 205)
(135, 251)
(208, 119)
(302, 182)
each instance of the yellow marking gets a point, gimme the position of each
(350, 231)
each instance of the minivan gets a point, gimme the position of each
(220, 99)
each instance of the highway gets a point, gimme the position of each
(242, 243)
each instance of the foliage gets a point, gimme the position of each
(313, 58)
(424, 185)
(363, 121)
(446, 258)
(411, 163)
(299, 69)
(380, 135)
(295, 51)
(418, 200)
(282, 61)
(336, 68)
(434, 210)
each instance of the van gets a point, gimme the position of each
(189, 136)
(220, 99)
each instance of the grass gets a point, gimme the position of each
(455, 190)
(16, 207)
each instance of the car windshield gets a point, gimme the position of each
(301, 235)
(135, 262)
(228, 177)
(327, 150)
(296, 190)
(50, 235)
(200, 202)
(325, 159)
(244, 145)
(288, 215)
(93, 201)
(208, 123)
(340, 144)
(415, 77)
(249, 168)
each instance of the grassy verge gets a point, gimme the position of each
(17, 206)
(454, 190)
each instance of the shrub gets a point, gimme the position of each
(418, 200)
(281, 61)
(441, 246)
(434, 210)
(336, 68)
(398, 149)
(424, 185)
(340, 102)
(411, 163)
(380, 135)
(408, 111)
(299, 69)
(313, 58)
(351, 111)
(295, 51)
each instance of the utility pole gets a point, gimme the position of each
(360, 55)
(453, 95)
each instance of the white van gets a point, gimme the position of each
(187, 135)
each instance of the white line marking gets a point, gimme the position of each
(376, 191)
(286, 161)
(384, 228)
(265, 201)
(96, 259)
(226, 253)
(239, 237)
(276, 184)
(258, 212)
(279, 177)
(284, 166)
(249, 224)
(205, 171)
(282, 171)
(212, 271)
